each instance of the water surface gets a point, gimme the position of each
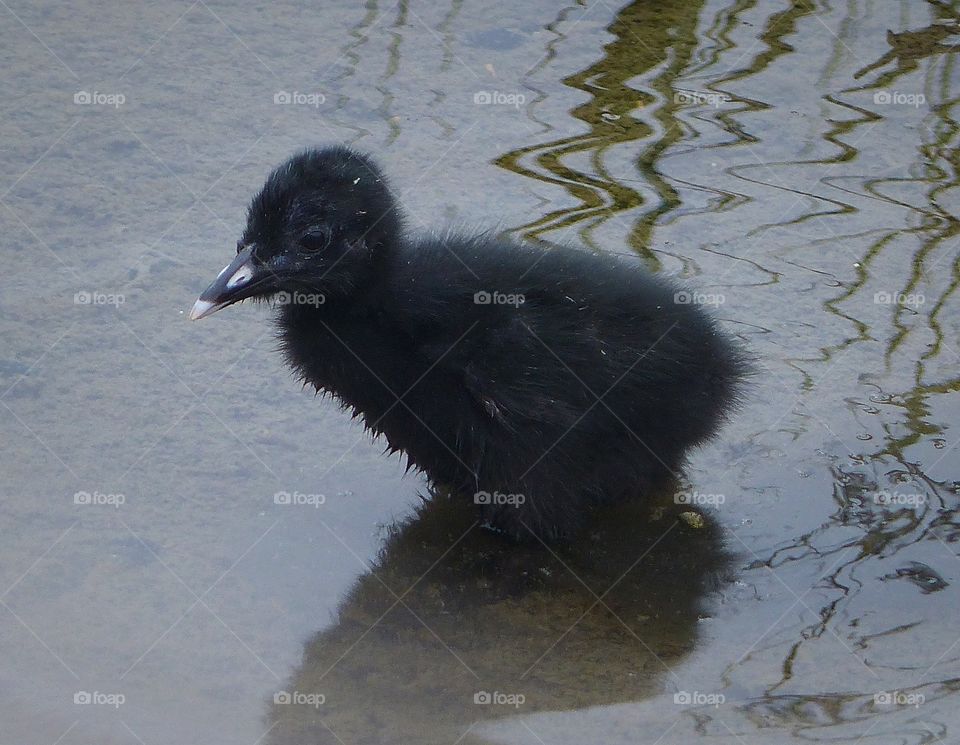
(793, 161)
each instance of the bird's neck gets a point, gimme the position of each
(363, 296)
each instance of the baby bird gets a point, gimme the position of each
(533, 383)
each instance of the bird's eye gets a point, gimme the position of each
(239, 246)
(315, 240)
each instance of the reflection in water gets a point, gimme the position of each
(825, 215)
(653, 43)
(351, 53)
(938, 167)
(393, 64)
(909, 48)
(888, 506)
(430, 626)
(451, 612)
(894, 521)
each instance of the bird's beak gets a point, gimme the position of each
(229, 286)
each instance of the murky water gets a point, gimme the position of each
(795, 161)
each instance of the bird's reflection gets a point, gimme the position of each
(455, 626)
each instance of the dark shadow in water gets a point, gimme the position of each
(451, 611)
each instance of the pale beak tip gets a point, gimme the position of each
(202, 308)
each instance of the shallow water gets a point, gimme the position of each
(793, 161)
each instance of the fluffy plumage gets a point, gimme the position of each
(546, 381)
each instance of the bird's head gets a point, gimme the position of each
(315, 229)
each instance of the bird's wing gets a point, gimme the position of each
(501, 349)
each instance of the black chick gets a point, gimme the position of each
(534, 383)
